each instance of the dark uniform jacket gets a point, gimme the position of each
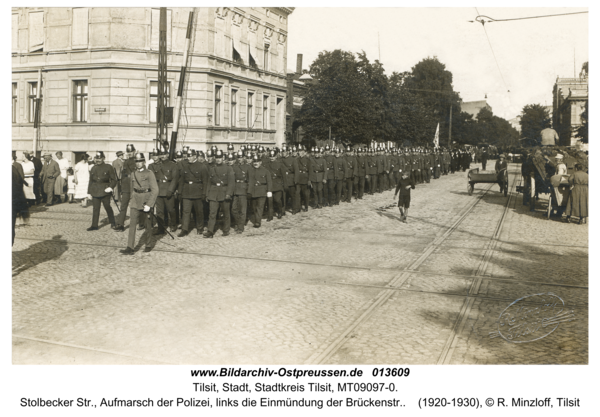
(380, 163)
(351, 166)
(221, 182)
(167, 177)
(128, 168)
(276, 170)
(260, 182)
(371, 164)
(193, 179)
(101, 177)
(318, 169)
(361, 165)
(339, 166)
(241, 175)
(302, 171)
(140, 182)
(330, 168)
(289, 166)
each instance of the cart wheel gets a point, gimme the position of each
(470, 188)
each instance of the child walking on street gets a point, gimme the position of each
(70, 185)
(405, 183)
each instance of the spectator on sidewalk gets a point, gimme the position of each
(50, 172)
(61, 181)
(578, 199)
(82, 179)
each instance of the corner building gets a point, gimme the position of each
(99, 69)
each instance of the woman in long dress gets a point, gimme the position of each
(28, 171)
(578, 199)
(82, 179)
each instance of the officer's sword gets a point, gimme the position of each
(161, 223)
(113, 197)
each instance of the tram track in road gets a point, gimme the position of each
(460, 322)
(368, 309)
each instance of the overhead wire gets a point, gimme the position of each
(491, 19)
(493, 53)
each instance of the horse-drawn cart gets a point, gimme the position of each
(476, 176)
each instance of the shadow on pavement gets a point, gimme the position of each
(38, 253)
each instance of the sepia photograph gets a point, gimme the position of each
(300, 186)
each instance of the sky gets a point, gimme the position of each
(529, 54)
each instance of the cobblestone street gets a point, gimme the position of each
(350, 284)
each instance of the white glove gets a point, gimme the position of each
(269, 194)
(108, 190)
(146, 208)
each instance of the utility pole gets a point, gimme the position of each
(177, 112)
(161, 124)
(37, 113)
(450, 129)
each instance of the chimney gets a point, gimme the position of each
(299, 64)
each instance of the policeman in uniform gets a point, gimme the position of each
(193, 182)
(167, 178)
(241, 172)
(350, 174)
(318, 169)
(221, 183)
(144, 191)
(329, 191)
(102, 183)
(302, 180)
(260, 185)
(289, 180)
(275, 203)
(360, 173)
(126, 171)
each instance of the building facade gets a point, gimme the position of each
(473, 107)
(569, 98)
(99, 69)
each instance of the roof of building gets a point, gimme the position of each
(473, 107)
(306, 76)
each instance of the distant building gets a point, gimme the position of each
(99, 71)
(569, 98)
(515, 122)
(297, 84)
(473, 107)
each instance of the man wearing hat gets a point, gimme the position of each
(193, 185)
(127, 169)
(118, 166)
(144, 191)
(221, 183)
(101, 186)
(50, 172)
(501, 167)
(167, 178)
(260, 185)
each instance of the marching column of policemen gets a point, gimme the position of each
(198, 189)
